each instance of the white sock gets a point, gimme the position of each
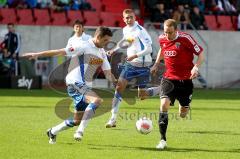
(153, 91)
(115, 105)
(60, 127)
(88, 113)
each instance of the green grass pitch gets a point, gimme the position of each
(211, 131)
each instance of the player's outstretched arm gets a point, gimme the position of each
(48, 53)
(124, 43)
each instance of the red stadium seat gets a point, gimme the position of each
(115, 6)
(226, 23)
(25, 17)
(108, 19)
(119, 20)
(59, 18)
(42, 17)
(91, 18)
(96, 4)
(113, 2)
(115, 9)
(74, 15)
(7, 15)
(211, 22)
(235, 21)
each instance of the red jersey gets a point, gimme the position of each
(178, 55)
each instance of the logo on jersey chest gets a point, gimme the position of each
(177, 44)
(170, 53)
(71, 49)
(95, 61)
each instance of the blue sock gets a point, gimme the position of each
(69, 122)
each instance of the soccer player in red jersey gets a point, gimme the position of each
(177, 51)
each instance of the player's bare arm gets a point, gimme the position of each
(155, 67)
(194, 71)
(48, 53)
(130, 58)
(108, 74)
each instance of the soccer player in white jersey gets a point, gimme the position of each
(137, 62)
(79, 34)
(89, 55)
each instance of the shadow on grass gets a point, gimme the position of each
(26, 107)
(213, 132)
(216, 109)
(169, 149)
(118, 129)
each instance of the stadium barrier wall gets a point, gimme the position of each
(21, 82)
(223, 49)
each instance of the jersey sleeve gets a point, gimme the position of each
(74, 50)
(192, 45)
(105, 64)
(160, 42)
(68, 43)
(124, 33)
(145, 37)
(86, 37)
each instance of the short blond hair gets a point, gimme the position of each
(128, 11)
(171, 23)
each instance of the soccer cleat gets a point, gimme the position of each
(142, 94)
(111, 123)
(162, 145)
(52, 137)
(78, 136)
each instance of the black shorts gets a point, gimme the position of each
(177, 89)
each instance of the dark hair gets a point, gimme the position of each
(102, 31)
(10, 24)
(78, 22)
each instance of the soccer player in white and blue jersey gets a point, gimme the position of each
(79, 34)
(87, 56)
(137, 62)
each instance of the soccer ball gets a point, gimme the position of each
(144, 125)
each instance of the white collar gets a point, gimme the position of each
(133, 26)
(83, 34)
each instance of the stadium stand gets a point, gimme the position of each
(96, 4)
(104, 12)
(7, 15)
(73, 15)
(91, 18)
(25, 16)
(41, 17)
(58, 18)
(225, 22)
(105, 16)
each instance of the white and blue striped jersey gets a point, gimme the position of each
(86, 58)
(74, 40)
(141, 40)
